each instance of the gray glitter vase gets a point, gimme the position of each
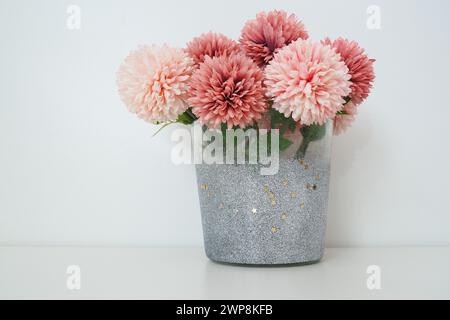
(249, 218)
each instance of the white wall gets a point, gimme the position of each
(76, 168)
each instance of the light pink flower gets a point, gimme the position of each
(344, 119)
(261, 37)
(308, 81)
(359, 65)
(212, 45)
(228, 89)
(153, 82)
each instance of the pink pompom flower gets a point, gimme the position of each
(263, 36)
(344, 118)
(212, 45)
(153, 82)
(359, 65)
(228, 89)
(308, 81)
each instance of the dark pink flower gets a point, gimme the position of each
(212, 45)
(263, 36)
(359, 65)
(228, 89)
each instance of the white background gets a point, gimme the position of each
(77, 169)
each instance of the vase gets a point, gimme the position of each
(280, 219)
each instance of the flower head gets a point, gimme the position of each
(153, 82)
(228, 89)
(212, 45)
(344, 118)
(359, 65)
(263, 36)
(308, 81)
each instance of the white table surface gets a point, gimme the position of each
(185, 273)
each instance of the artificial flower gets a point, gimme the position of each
(344, 118)
(229, 90)
(263, 36)
(153, 82)
(308, 82)
(212, 45)
(359, 65)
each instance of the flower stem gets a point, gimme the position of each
(191, 114)
(162, 127)
(310, 133)
(302, 149)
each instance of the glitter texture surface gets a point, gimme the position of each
(266, 220)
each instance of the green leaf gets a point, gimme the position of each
(284, 143)
(278, 120)
(313, 132)
(185, 118)
(276, 117)
(292, 126)
(310, 133)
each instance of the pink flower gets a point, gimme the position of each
(359, 65)
(153, 82)
(344, 118)
(212, 45)
(261, 37)
(228, 89)
(308, 81)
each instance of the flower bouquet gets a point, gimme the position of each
(273, 80)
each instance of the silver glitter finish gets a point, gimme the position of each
(266, 220)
